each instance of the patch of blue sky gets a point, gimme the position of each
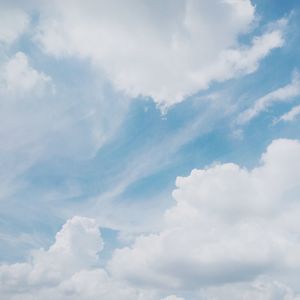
(272, 10)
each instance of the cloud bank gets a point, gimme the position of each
(69, 269)
(232, 234)
(229, 225)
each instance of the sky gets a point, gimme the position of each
(150, 150)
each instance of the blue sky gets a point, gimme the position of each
(104, 107)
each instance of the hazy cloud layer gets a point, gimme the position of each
(13, 23)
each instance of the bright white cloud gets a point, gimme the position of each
(68, 255)
(167, 50)
(233, 234)
(69, 269)
(283, 94)
(64, 258)
(13, 22)
(291, 115)
(228, 225)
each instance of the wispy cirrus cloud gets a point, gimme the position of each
(284, 94)
(291, 115)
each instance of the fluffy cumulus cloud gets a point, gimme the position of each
(229, 225)
(232, 234)
(69, 269)
(166, 50)
(64, 258)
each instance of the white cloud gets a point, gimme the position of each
(21, 89)
(173, 297)
(164, 50)
(18, 77)
(69, 269)
(110, 209)
(13, 22)
(291, 115)
(64, 258)
(36, 122)
(39, 120)
(233, 234)
(261, 289)
(228, 225)
(283, 94)
(67, 255)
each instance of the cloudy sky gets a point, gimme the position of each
(150, 150)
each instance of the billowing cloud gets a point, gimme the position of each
(233, 234)
(163, 50)
(283, 94)
(69, 269)
(66, 270)
(229, 224)
(64, 258)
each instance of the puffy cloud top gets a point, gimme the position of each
(233, 234)
(229, 224)
(69, 269)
